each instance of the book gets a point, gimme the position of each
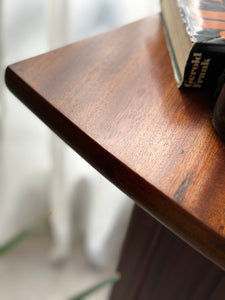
(195, 34)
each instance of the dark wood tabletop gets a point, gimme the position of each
(113, 99)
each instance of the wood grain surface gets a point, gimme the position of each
(113, 99)
(157, 265)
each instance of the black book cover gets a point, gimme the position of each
(204, 22)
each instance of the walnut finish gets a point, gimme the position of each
(114, 100)
(157, 265)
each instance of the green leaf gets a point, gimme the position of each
(21, 236)
(112, 279)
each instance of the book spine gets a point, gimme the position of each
(204, 66)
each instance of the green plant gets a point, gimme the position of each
(111, 280)
(11, 244)
(22, 235)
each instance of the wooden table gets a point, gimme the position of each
(114, 100)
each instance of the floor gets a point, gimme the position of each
(25, 159)
(25, 273)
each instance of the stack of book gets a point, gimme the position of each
(195, 33)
